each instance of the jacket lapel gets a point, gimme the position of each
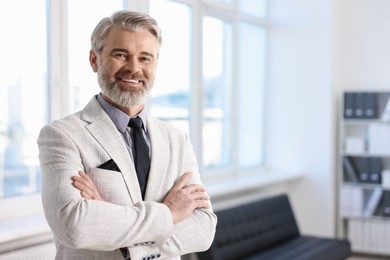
(107, 135)
(159, 160)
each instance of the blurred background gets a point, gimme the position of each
(257, 85)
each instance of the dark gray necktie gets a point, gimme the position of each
(140, 153)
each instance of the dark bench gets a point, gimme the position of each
(267, 229)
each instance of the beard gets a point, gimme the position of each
(125, 97)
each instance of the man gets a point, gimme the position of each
(103, 197)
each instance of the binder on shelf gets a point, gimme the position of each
(384, 208)
(375, 171)
(370, 105)
(359, 105)
(369, 169)
(363, 169)
(349, 101)
(350, 173)
(373, 202)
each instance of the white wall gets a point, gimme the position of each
(364, 40)
(301, 119)
(318, 49)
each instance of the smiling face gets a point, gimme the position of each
(126, 66)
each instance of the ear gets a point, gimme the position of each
(93, 60)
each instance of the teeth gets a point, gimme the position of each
(131, 80)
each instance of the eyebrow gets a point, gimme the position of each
(147, 54)
(127, 52)
(118, 50)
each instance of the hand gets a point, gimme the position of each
(183, 199)
(86, 186)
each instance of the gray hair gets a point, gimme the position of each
(127, 20)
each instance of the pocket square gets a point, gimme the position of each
(109, 165)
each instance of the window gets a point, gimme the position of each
(217, 84)
(171, 94)
(211, 80)
(23, 94)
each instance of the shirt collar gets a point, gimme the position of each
(118, 117)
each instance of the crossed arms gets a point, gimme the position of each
(181, 200)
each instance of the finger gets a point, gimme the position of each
(195, 188)
(183, 180)
(84, 175)
(200, 196)
(87, 181)
(82, 187)
(203, 204)
(77, 178)
(85, 192)
(86, 186)
(80, 183)
(85, 195)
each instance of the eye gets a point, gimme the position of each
(120, 55)
(146, 59)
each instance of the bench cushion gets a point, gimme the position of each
(306, 248)
(267, 229)
(245, 230)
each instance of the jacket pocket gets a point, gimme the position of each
(111, 185)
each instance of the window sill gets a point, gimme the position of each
(23, 231)
(251, 182)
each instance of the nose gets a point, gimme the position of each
(132, 65)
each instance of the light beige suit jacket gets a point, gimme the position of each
(88, 229)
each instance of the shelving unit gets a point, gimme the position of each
(364, 171)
